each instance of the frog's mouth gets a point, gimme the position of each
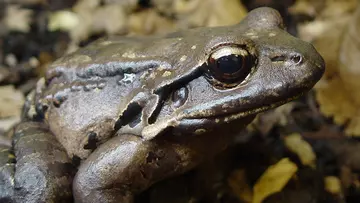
(192, 123)
(197, 122)
(228, 117)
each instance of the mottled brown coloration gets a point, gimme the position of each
(152, 107)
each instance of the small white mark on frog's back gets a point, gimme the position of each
(127, 79)
(193, 47)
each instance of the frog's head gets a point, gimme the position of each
(243, 70)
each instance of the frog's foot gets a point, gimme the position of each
(41, 171)
(127, 165)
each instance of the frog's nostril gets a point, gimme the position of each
(281, 58)
(297, 59)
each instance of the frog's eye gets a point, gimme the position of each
(230, 65)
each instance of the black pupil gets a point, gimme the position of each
(230, 64)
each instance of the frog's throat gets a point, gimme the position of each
(151, 131)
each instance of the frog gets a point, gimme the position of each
(111, 119)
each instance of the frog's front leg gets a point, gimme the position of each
(126, 165)
(42, 171)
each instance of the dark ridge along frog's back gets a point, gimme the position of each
(134, 111)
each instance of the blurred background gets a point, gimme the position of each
(305, 151)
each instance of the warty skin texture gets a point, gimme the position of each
(138, 110)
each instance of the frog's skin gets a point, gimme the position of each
(139, 110)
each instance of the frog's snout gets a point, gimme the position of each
(315, 62)
(318, 60)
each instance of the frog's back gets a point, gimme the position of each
(89, 90)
